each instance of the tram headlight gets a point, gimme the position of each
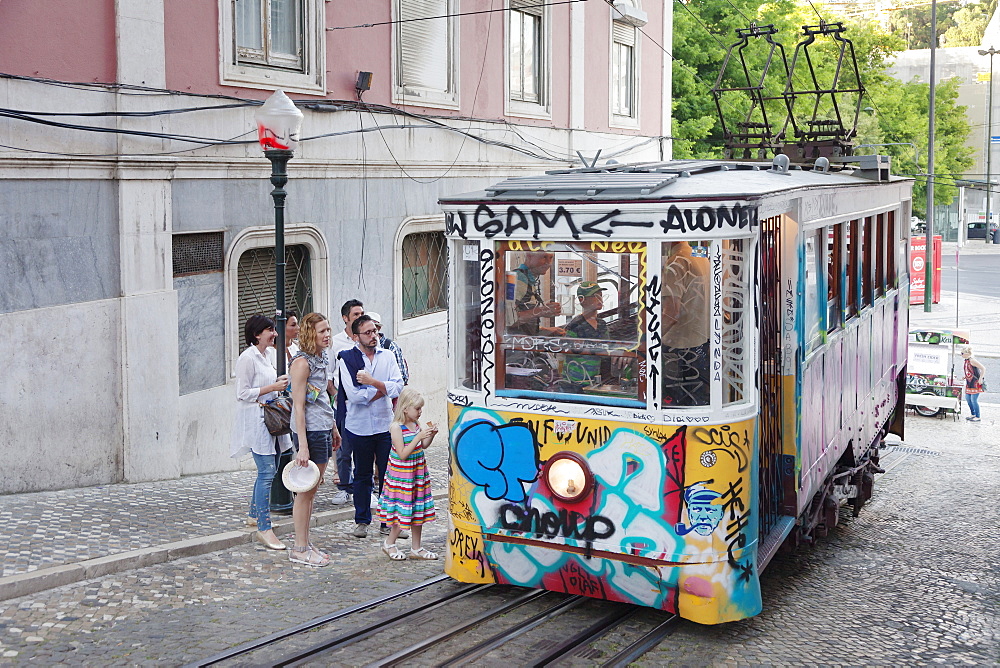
(568, 476)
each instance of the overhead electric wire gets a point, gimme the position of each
(134, 114)
(446, 16)
(465, 135)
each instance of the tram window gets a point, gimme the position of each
(893, 245)
(737, 319)
(812, 296)
(468, 314)
(686, 323)
(834, 274)
(867, 266)
(853, 262)
(881, 250)
(572, 327)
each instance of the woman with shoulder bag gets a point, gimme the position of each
(257, 382)
(975, 373)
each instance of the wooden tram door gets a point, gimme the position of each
(770, 459)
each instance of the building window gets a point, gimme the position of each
(527, 58)
(269, 32)
(425, 53)
(425, 274)
(623, 70)
(273, 43)
(255, 284)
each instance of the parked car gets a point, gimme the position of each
(978, 231)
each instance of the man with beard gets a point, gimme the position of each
(369, 380)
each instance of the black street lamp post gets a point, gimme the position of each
(278, 124)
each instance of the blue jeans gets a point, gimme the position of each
(973, 400)
(260, 502)
(345, 464)
(368, 451)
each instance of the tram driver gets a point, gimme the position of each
(526, 369)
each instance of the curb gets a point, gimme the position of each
(43, 579)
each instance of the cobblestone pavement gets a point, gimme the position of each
(189, 609)
(914, 580)
(47, 529)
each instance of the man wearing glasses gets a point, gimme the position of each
(369, 380)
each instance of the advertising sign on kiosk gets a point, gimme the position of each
(918, 259)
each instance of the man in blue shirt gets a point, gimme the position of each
(369, 380)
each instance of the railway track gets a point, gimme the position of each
(442, 623)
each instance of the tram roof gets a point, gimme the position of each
(677, 179)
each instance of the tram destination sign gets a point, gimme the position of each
(513, 221)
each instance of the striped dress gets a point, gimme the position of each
(406, 495)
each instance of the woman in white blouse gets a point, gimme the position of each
(256, 381)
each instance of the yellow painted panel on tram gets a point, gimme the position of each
(667, 512)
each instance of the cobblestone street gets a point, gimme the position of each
(911, 581)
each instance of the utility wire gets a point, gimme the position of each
(446, 16)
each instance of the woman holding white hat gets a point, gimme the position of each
(313, 424)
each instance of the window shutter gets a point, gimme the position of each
(423, 45)
(623, 33)
(528, 6)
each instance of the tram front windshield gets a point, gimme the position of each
(572, 326)
(570, 322)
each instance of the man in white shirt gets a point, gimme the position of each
(344, 340)
(369, 380)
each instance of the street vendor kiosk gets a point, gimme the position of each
(934, 383)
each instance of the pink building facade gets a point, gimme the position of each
(136, 217)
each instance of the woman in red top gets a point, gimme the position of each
(974, 374)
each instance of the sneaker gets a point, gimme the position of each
(361, 531)
(384, 530)
(971, 417)
(341, 497)
(975, 419)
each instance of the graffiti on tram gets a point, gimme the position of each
(661, 497)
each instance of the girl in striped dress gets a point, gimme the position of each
(407, 502)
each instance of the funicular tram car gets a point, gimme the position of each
(661, 373)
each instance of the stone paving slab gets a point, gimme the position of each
(53, 538)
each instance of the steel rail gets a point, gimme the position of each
(351, 637)
(492, 643)
(647, 642)
(593, 632)
(313, 623)
(419, 647)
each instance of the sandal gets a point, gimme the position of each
(311, 558)
(393, 551)
(322, 555)
(423, 553)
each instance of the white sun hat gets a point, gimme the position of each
(300, 478)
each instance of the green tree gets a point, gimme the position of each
(900, 112)
(970, 24)
(896, 112)
(913, 24)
